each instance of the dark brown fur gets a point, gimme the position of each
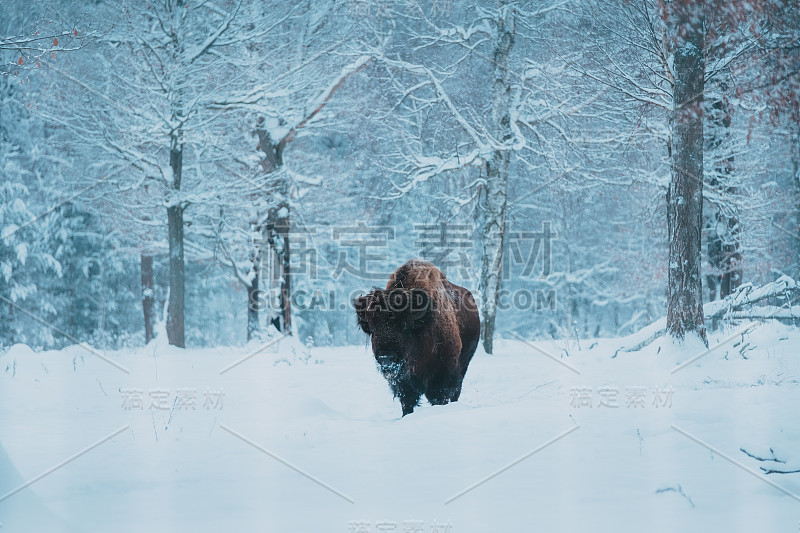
(424, 331)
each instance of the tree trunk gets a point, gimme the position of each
(724, 252)
(496, 189)
(278, 222)
(175, 310)
(685, 194)
(254, 297)
(278, 239)
(148, 297)
(795, 148)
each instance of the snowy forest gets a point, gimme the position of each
(199, 179)
(189, 164)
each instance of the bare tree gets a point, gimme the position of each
(511, 121)
(685, 194)
(495, 190)
(34, 32)
(147, 108)
(286, 103)
(724, 241)
(148, 298)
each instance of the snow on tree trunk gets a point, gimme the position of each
(254, 299)
(278, 238)
(724, 253)
(277, 232)
(177, 278)
(148, 297)
(795, 147)
(685, 194)
(495, 190)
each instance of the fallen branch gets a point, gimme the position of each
(734, 306)
(766, 313)
(772, 471)
(738, 306)
(757, 458)
(772, 459)
(679, 490)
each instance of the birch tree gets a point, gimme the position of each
(506, 120)
(495, 190)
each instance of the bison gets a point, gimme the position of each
(424, 331)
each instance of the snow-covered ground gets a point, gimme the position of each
(294, 440)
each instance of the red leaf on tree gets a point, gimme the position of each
(20, 61)
(54, 55)
(75, 32)
(55, 41)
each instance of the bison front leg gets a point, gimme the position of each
(455, 392)
(409, 396)
(445, 391)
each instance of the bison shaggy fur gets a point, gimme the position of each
(424, 331)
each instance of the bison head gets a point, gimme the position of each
(393, 320)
